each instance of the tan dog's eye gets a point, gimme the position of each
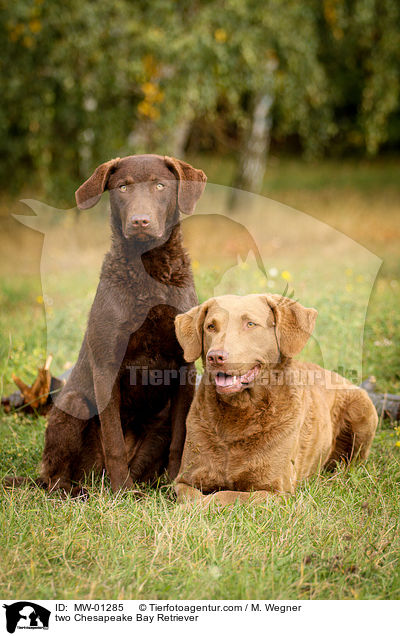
(123, 188)
(211, 327)
(160, 186)
(251, 325)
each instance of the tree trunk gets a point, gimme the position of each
(253, 156)
(179, 137)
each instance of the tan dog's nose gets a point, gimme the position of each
(140, 221)
(217, 356)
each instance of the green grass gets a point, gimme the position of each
(285, 173)
(338, 537)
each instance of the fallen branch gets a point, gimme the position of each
(36, 398)
(386, 404)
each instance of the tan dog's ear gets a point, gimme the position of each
(191, 183)
(189, 331)
(89, 193)
(294, 323)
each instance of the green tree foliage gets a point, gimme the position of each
(360, 50)
(71, 76)
(83, 80)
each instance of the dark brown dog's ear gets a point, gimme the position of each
(191, 183)
(89, 193)
(294, 323)
(189, 331)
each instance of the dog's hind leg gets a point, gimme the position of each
(63, 446)
(358, 422)
(16, 482)
(150, 456)
(363, 420)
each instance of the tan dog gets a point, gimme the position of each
(260, 421)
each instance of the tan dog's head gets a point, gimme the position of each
(237, 336)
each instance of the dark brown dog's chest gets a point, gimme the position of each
(150, 368)
(157, 334)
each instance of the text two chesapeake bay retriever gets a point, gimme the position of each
(110, 415)
(260, 421)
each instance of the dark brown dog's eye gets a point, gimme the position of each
(123, 188)
(211, 327)
(160, 186)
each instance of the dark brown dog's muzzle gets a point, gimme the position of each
(140, 222)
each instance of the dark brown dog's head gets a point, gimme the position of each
(147, 192)
(238, 336)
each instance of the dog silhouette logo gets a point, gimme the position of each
(268, 247)
(26, 615)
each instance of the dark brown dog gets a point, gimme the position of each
(114, 412)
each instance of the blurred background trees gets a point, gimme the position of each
(84, 80)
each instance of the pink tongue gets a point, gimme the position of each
(228, 380)
(224, 380)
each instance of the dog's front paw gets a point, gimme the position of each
(226, 498)
(78, 493)
(121, 483)
(132, 492)
(173, 469)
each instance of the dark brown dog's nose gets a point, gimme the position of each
(217, 356)
(140, 221)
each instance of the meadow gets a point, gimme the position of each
(338, 537)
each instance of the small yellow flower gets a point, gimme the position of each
(159, 97)
(349, 288)
(16, 31)
(195, 265)
(397, 443)
(149, 89)
(39, 299)
(28, 42)
(286, 275)
(150, 65)
(244, 265)
(143, 108)
(35, 26)
(148, 110)
(349, 272)
(220, 35)
(360, 278)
